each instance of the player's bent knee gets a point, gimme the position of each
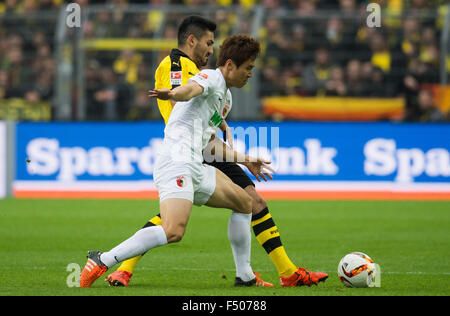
(244, 203)
(174, 237)
(174, 234)
(258, 203)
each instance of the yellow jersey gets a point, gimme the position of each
(173, 71)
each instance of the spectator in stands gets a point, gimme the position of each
(43, 86)
(271, 84)
(361, 41)
(154, 18)
(225, 24)
(141, 109)
(275, 43)
(391, 62)
(348, 7)
(381, 56)
(428, 110)
(355, 85)
(15, 41)
(10, 10)
(18, 72)
(291, 79)
(127, 65)
(47, 5)
(10, 6)
(317, 73)
(409, 38)
(378, 86)
(339, 38)
(101, 27)
(244, 26)
(39, 39)
(428, 48)
(3, 84)
(275, 7)
(30, 6)
(417, 74)
(423, 10)
(247, 4)
(110, 100)
(120, 20)
(305, 8)
(336, 85)
(84, 3)
(366, 71)
(299, 49)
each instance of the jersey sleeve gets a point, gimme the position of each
(207, 80)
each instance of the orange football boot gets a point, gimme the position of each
(257, 281)
(119, 278)
(303, 277)
(93, 269)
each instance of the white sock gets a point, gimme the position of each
(142, 241)
(240, 238)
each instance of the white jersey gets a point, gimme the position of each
(191, 124)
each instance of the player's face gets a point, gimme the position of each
(203, 49)
(240, 75)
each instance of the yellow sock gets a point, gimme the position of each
(130, 264)
(269, 238)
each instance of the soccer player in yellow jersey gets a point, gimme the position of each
(195, 45)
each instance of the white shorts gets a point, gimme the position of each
(192, 181)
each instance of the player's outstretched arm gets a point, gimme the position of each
(259, 168)
(181, 93)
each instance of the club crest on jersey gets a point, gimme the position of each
(181, 181)
(176, 78)
(225, 111)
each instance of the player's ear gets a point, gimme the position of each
(230, 65)
(191, 40)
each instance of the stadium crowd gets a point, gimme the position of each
(310, 48)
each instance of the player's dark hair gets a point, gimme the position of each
(195, 25)
(239, 48)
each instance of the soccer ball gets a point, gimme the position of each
(356, 269)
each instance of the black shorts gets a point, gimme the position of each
(234, 172)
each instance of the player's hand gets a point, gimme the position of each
(163, 94)
(260, 169)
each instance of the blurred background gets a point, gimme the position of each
(320, 59)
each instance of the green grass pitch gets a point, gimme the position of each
(410, 240)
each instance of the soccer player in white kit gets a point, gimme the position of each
(181, 177)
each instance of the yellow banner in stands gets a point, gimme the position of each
(20, 110)
(334, 108)
(135, 43)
